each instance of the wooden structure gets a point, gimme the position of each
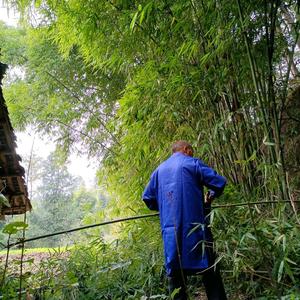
(12, 183)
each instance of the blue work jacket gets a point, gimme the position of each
(176, 191)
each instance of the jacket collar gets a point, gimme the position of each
(178, 154)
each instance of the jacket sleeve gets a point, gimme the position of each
(211, 179)
(150, 193)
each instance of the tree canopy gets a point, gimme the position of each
(127, 78)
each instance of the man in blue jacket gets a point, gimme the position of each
(176, 190)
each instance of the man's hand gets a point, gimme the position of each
(209, 197)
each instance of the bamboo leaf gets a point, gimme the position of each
(196, 227)
(175, 292)
(133, 21)
(289, 272)
(291, 261)
(280, 271)
(268, 143)
(202, 242)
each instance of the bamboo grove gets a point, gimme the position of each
(127, 78)
(218, 74)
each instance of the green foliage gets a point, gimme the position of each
(35, 250)
(131, 265)
(261, 260)
(14, 227)
(62, 96)
(60, 202)
(12, 45)
(127, 78)
(121, 269)
(171, 71)
(174, 293)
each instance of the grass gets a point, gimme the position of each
(36, 250)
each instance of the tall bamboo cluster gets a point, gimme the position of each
(215, 73)
(128, 78)
(232, 88)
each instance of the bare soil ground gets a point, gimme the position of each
(31, 261)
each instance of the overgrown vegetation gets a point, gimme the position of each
(60, 201)
(125, 79)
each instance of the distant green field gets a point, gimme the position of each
(36, 250)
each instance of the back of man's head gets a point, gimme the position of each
(181, 146)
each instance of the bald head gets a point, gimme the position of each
(183, 147)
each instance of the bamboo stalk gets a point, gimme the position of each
(6, 262)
